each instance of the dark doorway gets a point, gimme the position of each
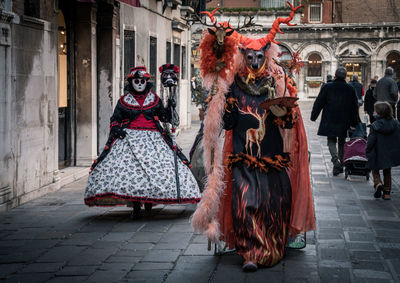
(64, 97)
(393, 60)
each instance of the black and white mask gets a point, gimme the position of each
(139, 84)
(169, 78)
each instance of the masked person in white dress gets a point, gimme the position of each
(137, 164)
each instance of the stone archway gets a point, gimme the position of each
(322, 54)
(355, 56)
(393, 60)
(380, 57)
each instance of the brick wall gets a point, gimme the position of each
(355, 11)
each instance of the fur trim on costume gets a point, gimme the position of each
(203, 219)
(289, 119)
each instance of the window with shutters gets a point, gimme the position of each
(129, 50)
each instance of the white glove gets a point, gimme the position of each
(278, 111)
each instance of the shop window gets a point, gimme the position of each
(393, 60)
(153, 59)
(314, 67)
(168, 60)
(129, 50)
(315, 13)
(183, 62)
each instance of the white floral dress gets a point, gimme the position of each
(139, 167)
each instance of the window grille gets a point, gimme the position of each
(314, 68)
(274, 3)
(315, 13)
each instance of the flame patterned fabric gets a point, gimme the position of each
(261, 190)
(261, 213)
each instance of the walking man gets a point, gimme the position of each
(338, 103)
(370, 101)
(386, 89)
(359, 89)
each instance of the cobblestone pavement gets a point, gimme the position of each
(58, 239)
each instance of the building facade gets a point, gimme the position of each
(62, 70)
(363, 37)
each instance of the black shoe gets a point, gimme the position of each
(378, 191)
(136, 210)
(337, 170)
(249, 266)
(148, 207)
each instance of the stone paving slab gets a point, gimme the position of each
(58, 239)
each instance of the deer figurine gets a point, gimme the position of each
(255, 136)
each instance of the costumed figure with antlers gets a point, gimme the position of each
(258, 187)
(137, 165)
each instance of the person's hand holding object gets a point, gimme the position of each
(278, 111)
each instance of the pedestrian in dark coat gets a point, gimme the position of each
(386, 89)
(369, 101)
(338, 102)
(383, 149)
(358, 88)
(328, 80)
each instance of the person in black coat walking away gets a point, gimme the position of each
(386, 89)
(338, 102)
(369, 101)
(383, 149)
(359, 89)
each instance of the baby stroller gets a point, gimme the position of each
(354, 156)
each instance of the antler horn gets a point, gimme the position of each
(211, 15)
(275, 26)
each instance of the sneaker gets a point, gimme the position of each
(386, 195)
(298, 242)
(249, 266)
(378, 190)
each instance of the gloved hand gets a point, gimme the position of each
(278, 111)
(118, 132)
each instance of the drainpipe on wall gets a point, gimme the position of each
(333, 11)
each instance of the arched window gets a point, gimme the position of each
(285, 58)
(393, 60)
(314, 66)
(284, 54)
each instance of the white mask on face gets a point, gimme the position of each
(139, 85)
